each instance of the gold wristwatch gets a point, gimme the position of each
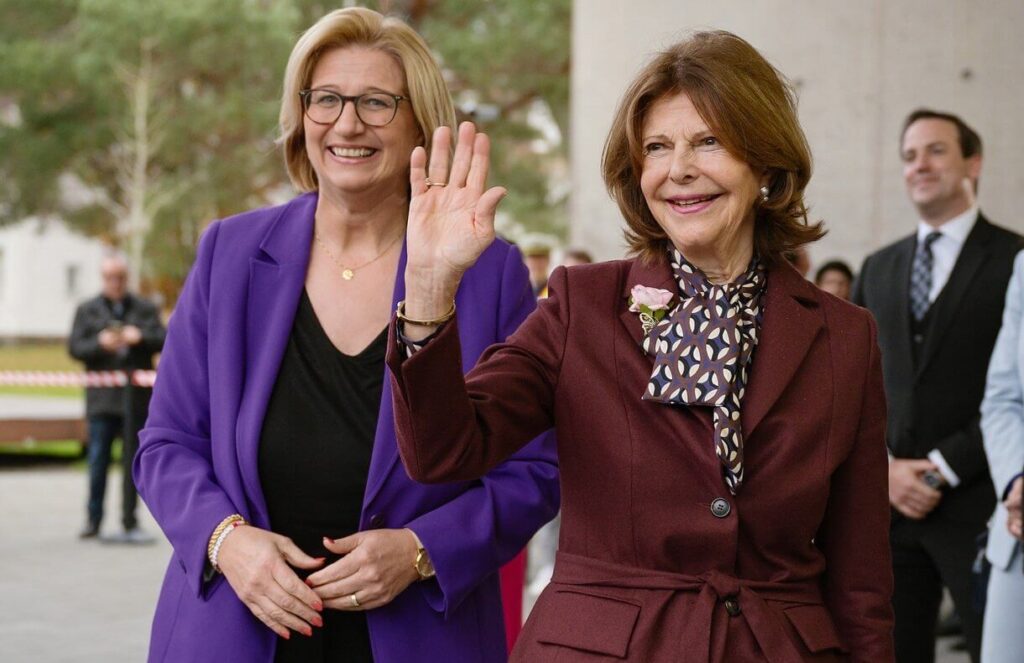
(423, 565)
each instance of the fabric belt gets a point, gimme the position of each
(712, 587)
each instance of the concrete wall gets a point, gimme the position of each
(37, 295)
(859, 68)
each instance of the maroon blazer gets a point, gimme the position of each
(794, 568)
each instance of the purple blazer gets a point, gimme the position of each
(197, 459)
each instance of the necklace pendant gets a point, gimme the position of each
(347, 274)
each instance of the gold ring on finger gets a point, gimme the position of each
(430, 184)
(354, 600)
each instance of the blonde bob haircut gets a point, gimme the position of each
(751, 109)
(355, 26)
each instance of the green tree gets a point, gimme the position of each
(142, 120)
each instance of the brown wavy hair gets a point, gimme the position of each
(750, 107)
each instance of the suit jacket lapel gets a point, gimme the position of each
(791, 323)
(651, 275)
(276, 277)
(897, 277)
(972, 256)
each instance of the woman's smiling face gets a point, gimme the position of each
(349, 156)
(701, 195)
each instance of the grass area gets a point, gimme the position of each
(39, 357)
(70, 449)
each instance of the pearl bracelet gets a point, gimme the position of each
(219, 534)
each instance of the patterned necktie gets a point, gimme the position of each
(921, 276)
(702, 353)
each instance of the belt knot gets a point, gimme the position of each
(722, 584)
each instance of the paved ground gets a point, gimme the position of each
(63, 600)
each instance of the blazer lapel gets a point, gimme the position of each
(897, 277)
(656, 275)
(385, 449)
(972, 256)
(791, 323)
(276, 277)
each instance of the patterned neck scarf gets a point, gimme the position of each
(702, 353)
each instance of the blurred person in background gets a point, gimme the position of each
(836, 278)
(538, 261)
(269, 458)
(115, 331)
(575, 257)
(938, 297)
(703, 518)
(1002, 425)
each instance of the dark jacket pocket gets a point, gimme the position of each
(816, 629)
(587, 621)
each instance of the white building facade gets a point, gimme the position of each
(45, 272)
(859, 69)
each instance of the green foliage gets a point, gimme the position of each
(67, 70)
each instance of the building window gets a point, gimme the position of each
(71, 280)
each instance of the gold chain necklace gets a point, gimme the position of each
(349, 273)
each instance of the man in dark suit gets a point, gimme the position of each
(115, 331)
(938, 298)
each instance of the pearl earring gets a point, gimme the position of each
(764, 193)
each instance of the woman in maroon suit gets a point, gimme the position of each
(720, 420)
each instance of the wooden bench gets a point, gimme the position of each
(42, 430)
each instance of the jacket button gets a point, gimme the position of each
(720, 507)
(732, 606)
(376, 521)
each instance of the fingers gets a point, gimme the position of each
(465, 155)
(344, 545)
(309, 604)
(257, 610)
(302, 614)
(440, 150)
(294, 555)
(339, 570)
(487, 207)
(418, 171)
(277, 618)
(481, 163)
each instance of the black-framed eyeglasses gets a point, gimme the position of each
(375, 109)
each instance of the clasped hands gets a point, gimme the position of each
(376, 566)
(908, 493)
(113, 340)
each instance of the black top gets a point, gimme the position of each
(314, 459)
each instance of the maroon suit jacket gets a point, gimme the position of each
(798, 569)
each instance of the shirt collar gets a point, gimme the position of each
(956, 228)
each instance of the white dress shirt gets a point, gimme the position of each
(945, 251)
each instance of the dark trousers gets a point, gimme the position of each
(103, 429)
(926, 557)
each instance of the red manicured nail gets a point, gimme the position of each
(328, 541)
(287, 635)
(317, 621)
(308, 631)
(309, 583)
(318, 606)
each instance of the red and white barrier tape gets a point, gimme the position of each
(68, 379)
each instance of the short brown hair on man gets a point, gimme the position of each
(752, 110)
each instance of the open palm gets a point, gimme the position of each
(451, 216)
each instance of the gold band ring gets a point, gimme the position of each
(430, 184)
(354, 600)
